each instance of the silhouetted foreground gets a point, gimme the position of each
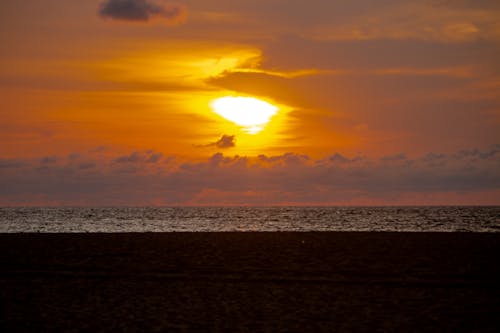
(250, 282)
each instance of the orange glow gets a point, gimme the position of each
(231, 89)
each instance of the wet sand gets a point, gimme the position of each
(250, 282)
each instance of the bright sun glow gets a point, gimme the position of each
(250, 113)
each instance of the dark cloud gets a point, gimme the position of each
(286, 178)
(133, 157)
(339, 158)
(226, 141)
(48, 160)
(86, 165)
(73, 156)
(478, 154)
(142, 11)
(149, 156)
(396, 157)
(155, 157)
(8, 163)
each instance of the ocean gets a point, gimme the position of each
(242, 219)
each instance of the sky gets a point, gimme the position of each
(111, 102)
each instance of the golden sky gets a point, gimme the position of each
(375, 102)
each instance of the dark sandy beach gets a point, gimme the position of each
(250, 282)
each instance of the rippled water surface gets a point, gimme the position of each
(152, 219)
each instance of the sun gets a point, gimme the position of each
(250, 113)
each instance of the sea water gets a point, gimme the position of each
(216, 219)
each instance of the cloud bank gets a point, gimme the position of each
(143, 11)
(150, 178)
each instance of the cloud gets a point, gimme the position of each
(48, 160)
(418, 94)
(139, 157)
(143, 11)
(225, 142)
(86, 165)
(154, 157)
(442, 20)
(133, 157)
(10, 163)
(293, 52)
(468, 176)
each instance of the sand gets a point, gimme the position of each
(250, 282)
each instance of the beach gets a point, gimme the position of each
(250, 282)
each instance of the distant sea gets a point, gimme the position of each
(217, 219)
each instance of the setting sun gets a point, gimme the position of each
(212, 102)
(250, 113)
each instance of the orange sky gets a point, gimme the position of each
(387, 102)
